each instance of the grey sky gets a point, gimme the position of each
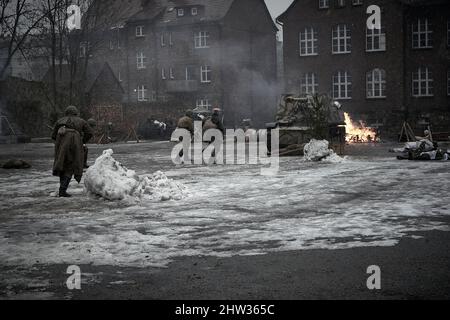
(277, 7)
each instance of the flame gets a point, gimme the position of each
(358, 132)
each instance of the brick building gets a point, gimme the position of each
(192, 53)
(380, 76)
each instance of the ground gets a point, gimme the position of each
(309, 232)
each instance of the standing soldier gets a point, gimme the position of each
(70, 133)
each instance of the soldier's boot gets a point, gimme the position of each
(64, 185)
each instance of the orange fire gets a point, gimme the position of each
(359, 132)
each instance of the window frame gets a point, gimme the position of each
(373, 82)
(372, 35)
(309, 83)
(205, 74)
(201, 40)
(142, 93)
(347, 84)
(324, 4)
(203, 103)
(419, 34)
(141, 60)
(428, 81)
(357, 2)
(194, 9)
(341, 41)
(140, 34)
(310, 42)
(180, 12)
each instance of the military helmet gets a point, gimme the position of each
(92, 123)
(72, 111)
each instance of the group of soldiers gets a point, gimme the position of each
(212, 122)
(71, 134)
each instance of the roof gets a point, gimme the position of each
(407, 2)
(113, 13)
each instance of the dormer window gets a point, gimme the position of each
(139, 31)
(180, 12)
(194, 11)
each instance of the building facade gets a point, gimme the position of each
(382, 76)
(196, 53)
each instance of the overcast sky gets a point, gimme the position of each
(277, 7)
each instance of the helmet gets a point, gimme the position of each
(92, 123)
(72, 111)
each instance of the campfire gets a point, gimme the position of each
(358, 132)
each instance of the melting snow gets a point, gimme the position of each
(319, 150)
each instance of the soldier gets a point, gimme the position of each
(187, 122)
(217, 121)
(70, 133)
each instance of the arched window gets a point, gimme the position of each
(376, 83)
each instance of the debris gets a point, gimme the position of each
(112, 181)
(16, 164)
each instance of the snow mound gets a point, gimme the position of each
(112, 181)
(319, 150)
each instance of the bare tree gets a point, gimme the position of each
(18, 20)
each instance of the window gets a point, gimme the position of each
(204, 103)
(142, 93)
(180, 12)
(170, 39)
(422, 34)
(111, 44)
(163, 74)
(190, 73)
(376, 84)
(171, 74)
(341, 39)
(139, 31)
(357, 2)
(422, 83)
(141, 60)
(83, 49)
(119, 77)
(308, 42)
(309, 84)
(342, 85)
(194, 11)
(205, 74)
(201, 39)
(341, 3)
(324, 4)
(163, 41)
(376, 39)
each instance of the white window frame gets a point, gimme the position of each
(201, 40)
(180, 12)
(205, 74)
(341, 39)
(341, 3)
(357, 2)
(376, 84)
(119, 76)
(170, 39)
(324, 4)
(141, 60)
(423, 78)
(83, 49)
(140, 31)
(163, 40)
(308, 40)
(171, 73)
(194, 11)
(309, 83)
(142, 93)
(163, 74)
(376, 37)
(342, 85)
(204, 103)
(422, 32)
(111, 45)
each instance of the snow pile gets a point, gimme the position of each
(319, 150)
(109, 179)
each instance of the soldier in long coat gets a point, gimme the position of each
(70, 134)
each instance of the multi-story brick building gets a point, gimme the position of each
(381, 76)
(195, 53)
